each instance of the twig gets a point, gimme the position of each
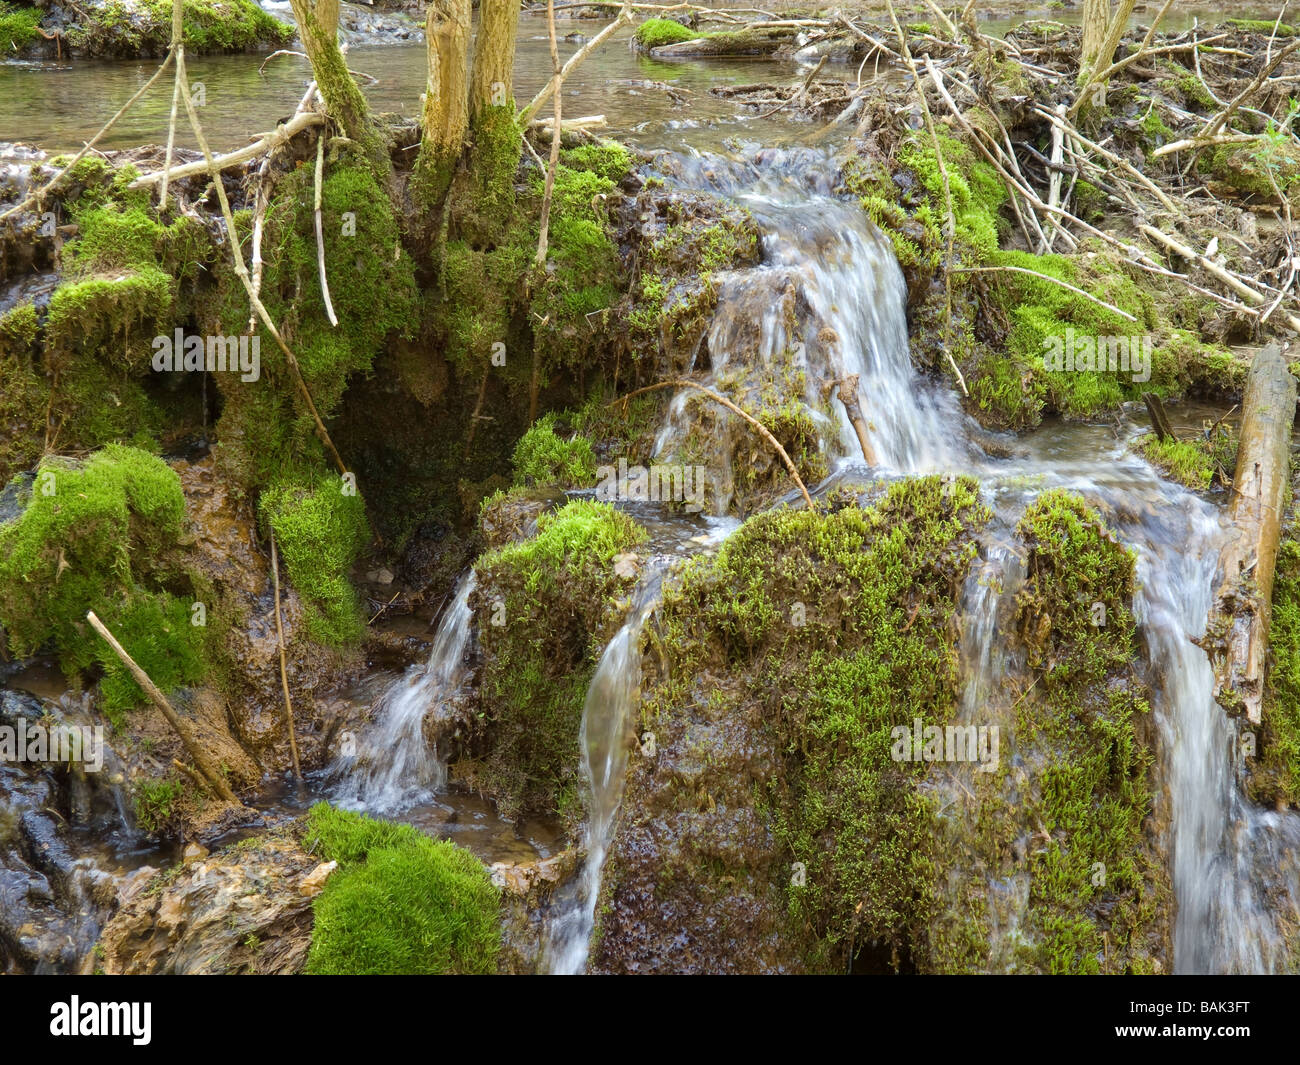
(320, 233)
(279, 136)
(217, 783)
(1043, 277)
(543, 231)
(681, 382)
(178, 46)
(284, 671)
(1223, 117)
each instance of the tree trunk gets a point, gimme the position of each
(1102, 30)
(494, 57)
(1237, 635)
(318, 27)
(445, 125)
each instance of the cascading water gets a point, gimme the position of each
(607, 717)
(1236, 868)
(391, 767)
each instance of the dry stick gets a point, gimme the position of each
(218, 784)
(320, 232)
(474, 418)
(800, 92)
(1111, 158)
(1044, 277)
(59, 177)
(1204, 142)
(863, 35)
(625, 15)
(242, 271)
(1223, 117)
(178, 46)
(948, 27)
(947, 186)
(1054, 179)
(1231, 280)
(543, 229)
(284, 671)
(681, 382)
(280, 136)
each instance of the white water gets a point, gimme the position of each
(391, 766)
(608, 716)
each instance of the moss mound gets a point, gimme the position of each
(400, 903)
(657, 32)
(320, 527)
(96, 536)
(542, 457)
(545, 607)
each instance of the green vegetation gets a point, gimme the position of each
(320, 528)
(400, 903)
(1264, 26)
(155, 802)
(1193, 462)
(1099, 890)
(546, 606)
(657, 32)
(543, 458)
(1275, 773)
(116, 29)
(96, 536)
(18, 27)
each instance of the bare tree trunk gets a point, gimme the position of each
(446, 99)
(494, 57)
(1102, 30)
(1237, 635)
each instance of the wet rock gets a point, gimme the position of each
(193, 852)
(239, 911)
(513, 516)
(314, 882)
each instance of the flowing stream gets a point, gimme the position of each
(1236, 867)
(390, 767)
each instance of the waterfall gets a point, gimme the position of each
(607, 720)
(391, 766)
(1235, 867)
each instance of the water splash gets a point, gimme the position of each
(392, 766)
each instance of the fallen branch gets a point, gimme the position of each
(1237, 635)
(717, 398)
(216, 783)
(280, 136)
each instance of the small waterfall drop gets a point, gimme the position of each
(391, 766)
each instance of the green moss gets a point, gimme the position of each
(17, 27)
(24, 393)
(95, 537)
(320, 528)
(543, 458)
(608, 160)
(1192, 462)
(211, 26)
(1092, 788)
(400, 903)
(1263, 170)
(657, 32)
(545, 607)
(1275, 773)
(1264, 26)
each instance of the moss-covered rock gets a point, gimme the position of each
(1196, 462)
(142, 28)
(544, 458)
(400, 902)
(771, 830)
(96, 536)
(545, 608)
